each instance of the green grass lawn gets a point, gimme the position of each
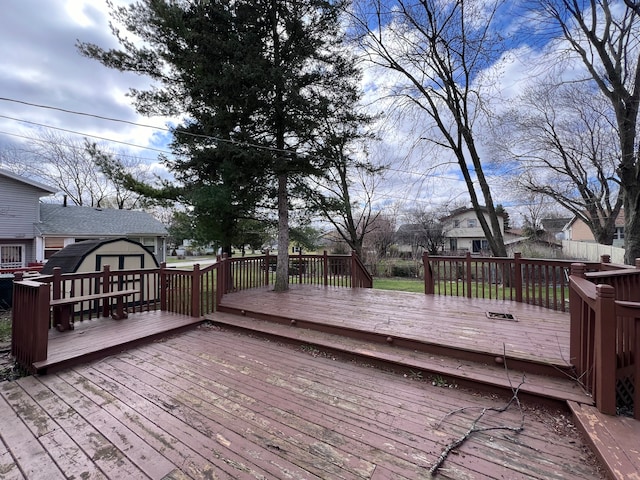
(415, 285)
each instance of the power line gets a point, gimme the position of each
(76, 147)
(83, 134)
(174, 131)
(182, 132)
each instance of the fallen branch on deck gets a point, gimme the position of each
(475, 428)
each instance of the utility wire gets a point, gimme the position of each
(182, 132)
(83, 134)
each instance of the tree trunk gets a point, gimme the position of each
(282, 267)
(631, 223)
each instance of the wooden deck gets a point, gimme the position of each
(92, 339)
(213, 403)
(536, 339)
(297, 397)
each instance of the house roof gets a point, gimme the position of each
(461, 210)
(58, 220)
(72, 256)
(555, 224)
(37, 185)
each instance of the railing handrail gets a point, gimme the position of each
(605, 333)
(343, 270)
(362, 269)
(536, 281)
(585, 288)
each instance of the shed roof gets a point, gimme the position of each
(89, 221)
(71, 256)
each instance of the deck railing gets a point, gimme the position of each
(242, 273)
(61, 300)
(605, 335)
(37, 302)
(528, 280)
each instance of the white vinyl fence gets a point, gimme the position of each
(591, 252)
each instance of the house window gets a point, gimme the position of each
(472, 223)
(456, 224)
(52, 245)
(11, 256)
(619, 233)
(481, 245)
(453, 244)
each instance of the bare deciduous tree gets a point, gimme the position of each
(70, 164)
(605, 36)
(564, 147)
(346, 201)
(440, 50)
(425, 232)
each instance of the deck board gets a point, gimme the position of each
(213, 403)
(103, 336)
(539, 334)
(480, 375)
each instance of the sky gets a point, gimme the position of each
(41, 67)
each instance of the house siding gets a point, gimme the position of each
(464, 234)
(578, 231)
(19, 208)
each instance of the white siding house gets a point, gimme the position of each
(463, 232)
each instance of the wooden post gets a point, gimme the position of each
(575, 320)
(41, 331)
(106, 288)
(605, 350)
(164, 286)
(429, 284)
(219, 277)
(195, 290)
(517, 276)
(636, 378)
(468, 270)
(267, 268)
(354, 280)
(300, 266)
(325, 268)
(57, 294)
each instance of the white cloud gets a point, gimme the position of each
(41, 65)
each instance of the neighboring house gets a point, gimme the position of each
(31, 231)
(19, 210)
(463, 232)
(578, 231)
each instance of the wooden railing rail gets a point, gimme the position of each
(624, 278)
(361, 278)
(605, 339)
(242, 273)
(529, 280)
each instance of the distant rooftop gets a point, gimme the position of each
(90, 221)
